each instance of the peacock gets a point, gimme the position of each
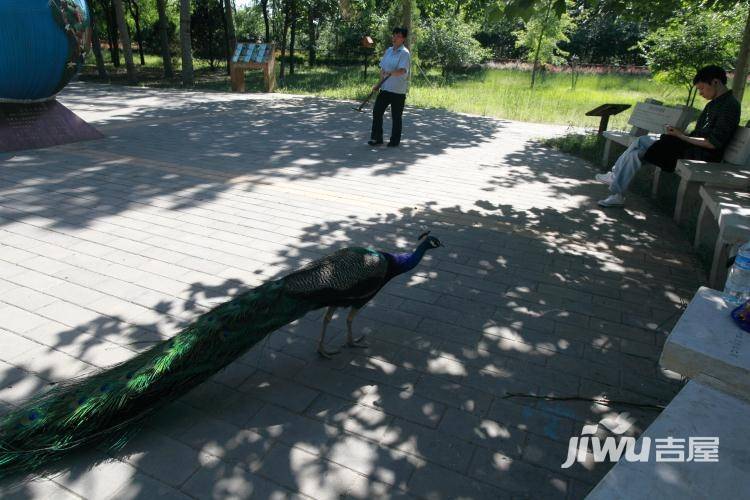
(108, 406)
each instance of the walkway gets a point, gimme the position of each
(194, 197)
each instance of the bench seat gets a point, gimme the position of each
(706, 344)
(730, 211)
(733, 173)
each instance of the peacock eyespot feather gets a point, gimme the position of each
(33, 415)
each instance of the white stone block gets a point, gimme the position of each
(697, 411)
(706, 341)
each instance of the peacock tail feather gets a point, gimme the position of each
(108, 406)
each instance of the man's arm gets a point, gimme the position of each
(701, 142)
(403, 65)
(382, 61)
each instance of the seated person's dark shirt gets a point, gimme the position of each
(717, 123)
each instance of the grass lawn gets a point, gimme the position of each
(501, 93)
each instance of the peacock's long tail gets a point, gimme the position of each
(108, 406)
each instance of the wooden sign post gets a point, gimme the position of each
(253, 56)
(366, 43)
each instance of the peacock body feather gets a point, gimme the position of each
(108, 406)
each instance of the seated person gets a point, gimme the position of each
(714, 129)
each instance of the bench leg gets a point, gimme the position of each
(686, 197)
(655, 184)
(605, 155)
(701, 226)
(719, 265)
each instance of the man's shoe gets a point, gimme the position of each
(604, 178)
(392, 145)
(373, 142)
(613, 200)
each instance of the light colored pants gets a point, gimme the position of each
(628, 164)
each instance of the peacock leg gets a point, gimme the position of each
(321, 344)
(360, 342)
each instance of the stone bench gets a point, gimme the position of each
(733, 173)
(730, 211)
(706, 345)
(698, 410)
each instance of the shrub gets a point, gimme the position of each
(448, 43)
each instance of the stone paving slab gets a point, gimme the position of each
(192, 198)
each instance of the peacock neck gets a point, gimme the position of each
(407, 261)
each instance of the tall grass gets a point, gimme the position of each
(501, 93)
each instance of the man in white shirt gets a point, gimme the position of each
(395, 63)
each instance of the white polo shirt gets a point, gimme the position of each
(391, 61)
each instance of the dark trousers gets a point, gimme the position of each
(396, 102)
(665, 152)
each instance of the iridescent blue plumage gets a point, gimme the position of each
(405, 262)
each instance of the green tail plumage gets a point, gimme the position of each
(105, 406)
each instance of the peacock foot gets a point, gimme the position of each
(360, 342)
(327, 354)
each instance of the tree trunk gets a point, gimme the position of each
(112, 34)
(743, 61)
(166, 54)
(187, 54)
(293, 32)
(231, 37)
(284, 31)
(96, 46)
(406, 22)
(135, 11)
(264, 4)
(125, 38)
(311, 36)
(227, 54)
(539, 43)
(211, 30)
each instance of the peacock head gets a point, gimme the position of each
(429, 241)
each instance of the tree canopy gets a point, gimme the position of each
(670, 36)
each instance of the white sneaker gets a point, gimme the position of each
(613, 200)
(604, 178)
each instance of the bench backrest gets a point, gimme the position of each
(738, 149)
(652, 117)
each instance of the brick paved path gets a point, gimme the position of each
(191, 198)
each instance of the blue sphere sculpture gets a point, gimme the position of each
(42, 45)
